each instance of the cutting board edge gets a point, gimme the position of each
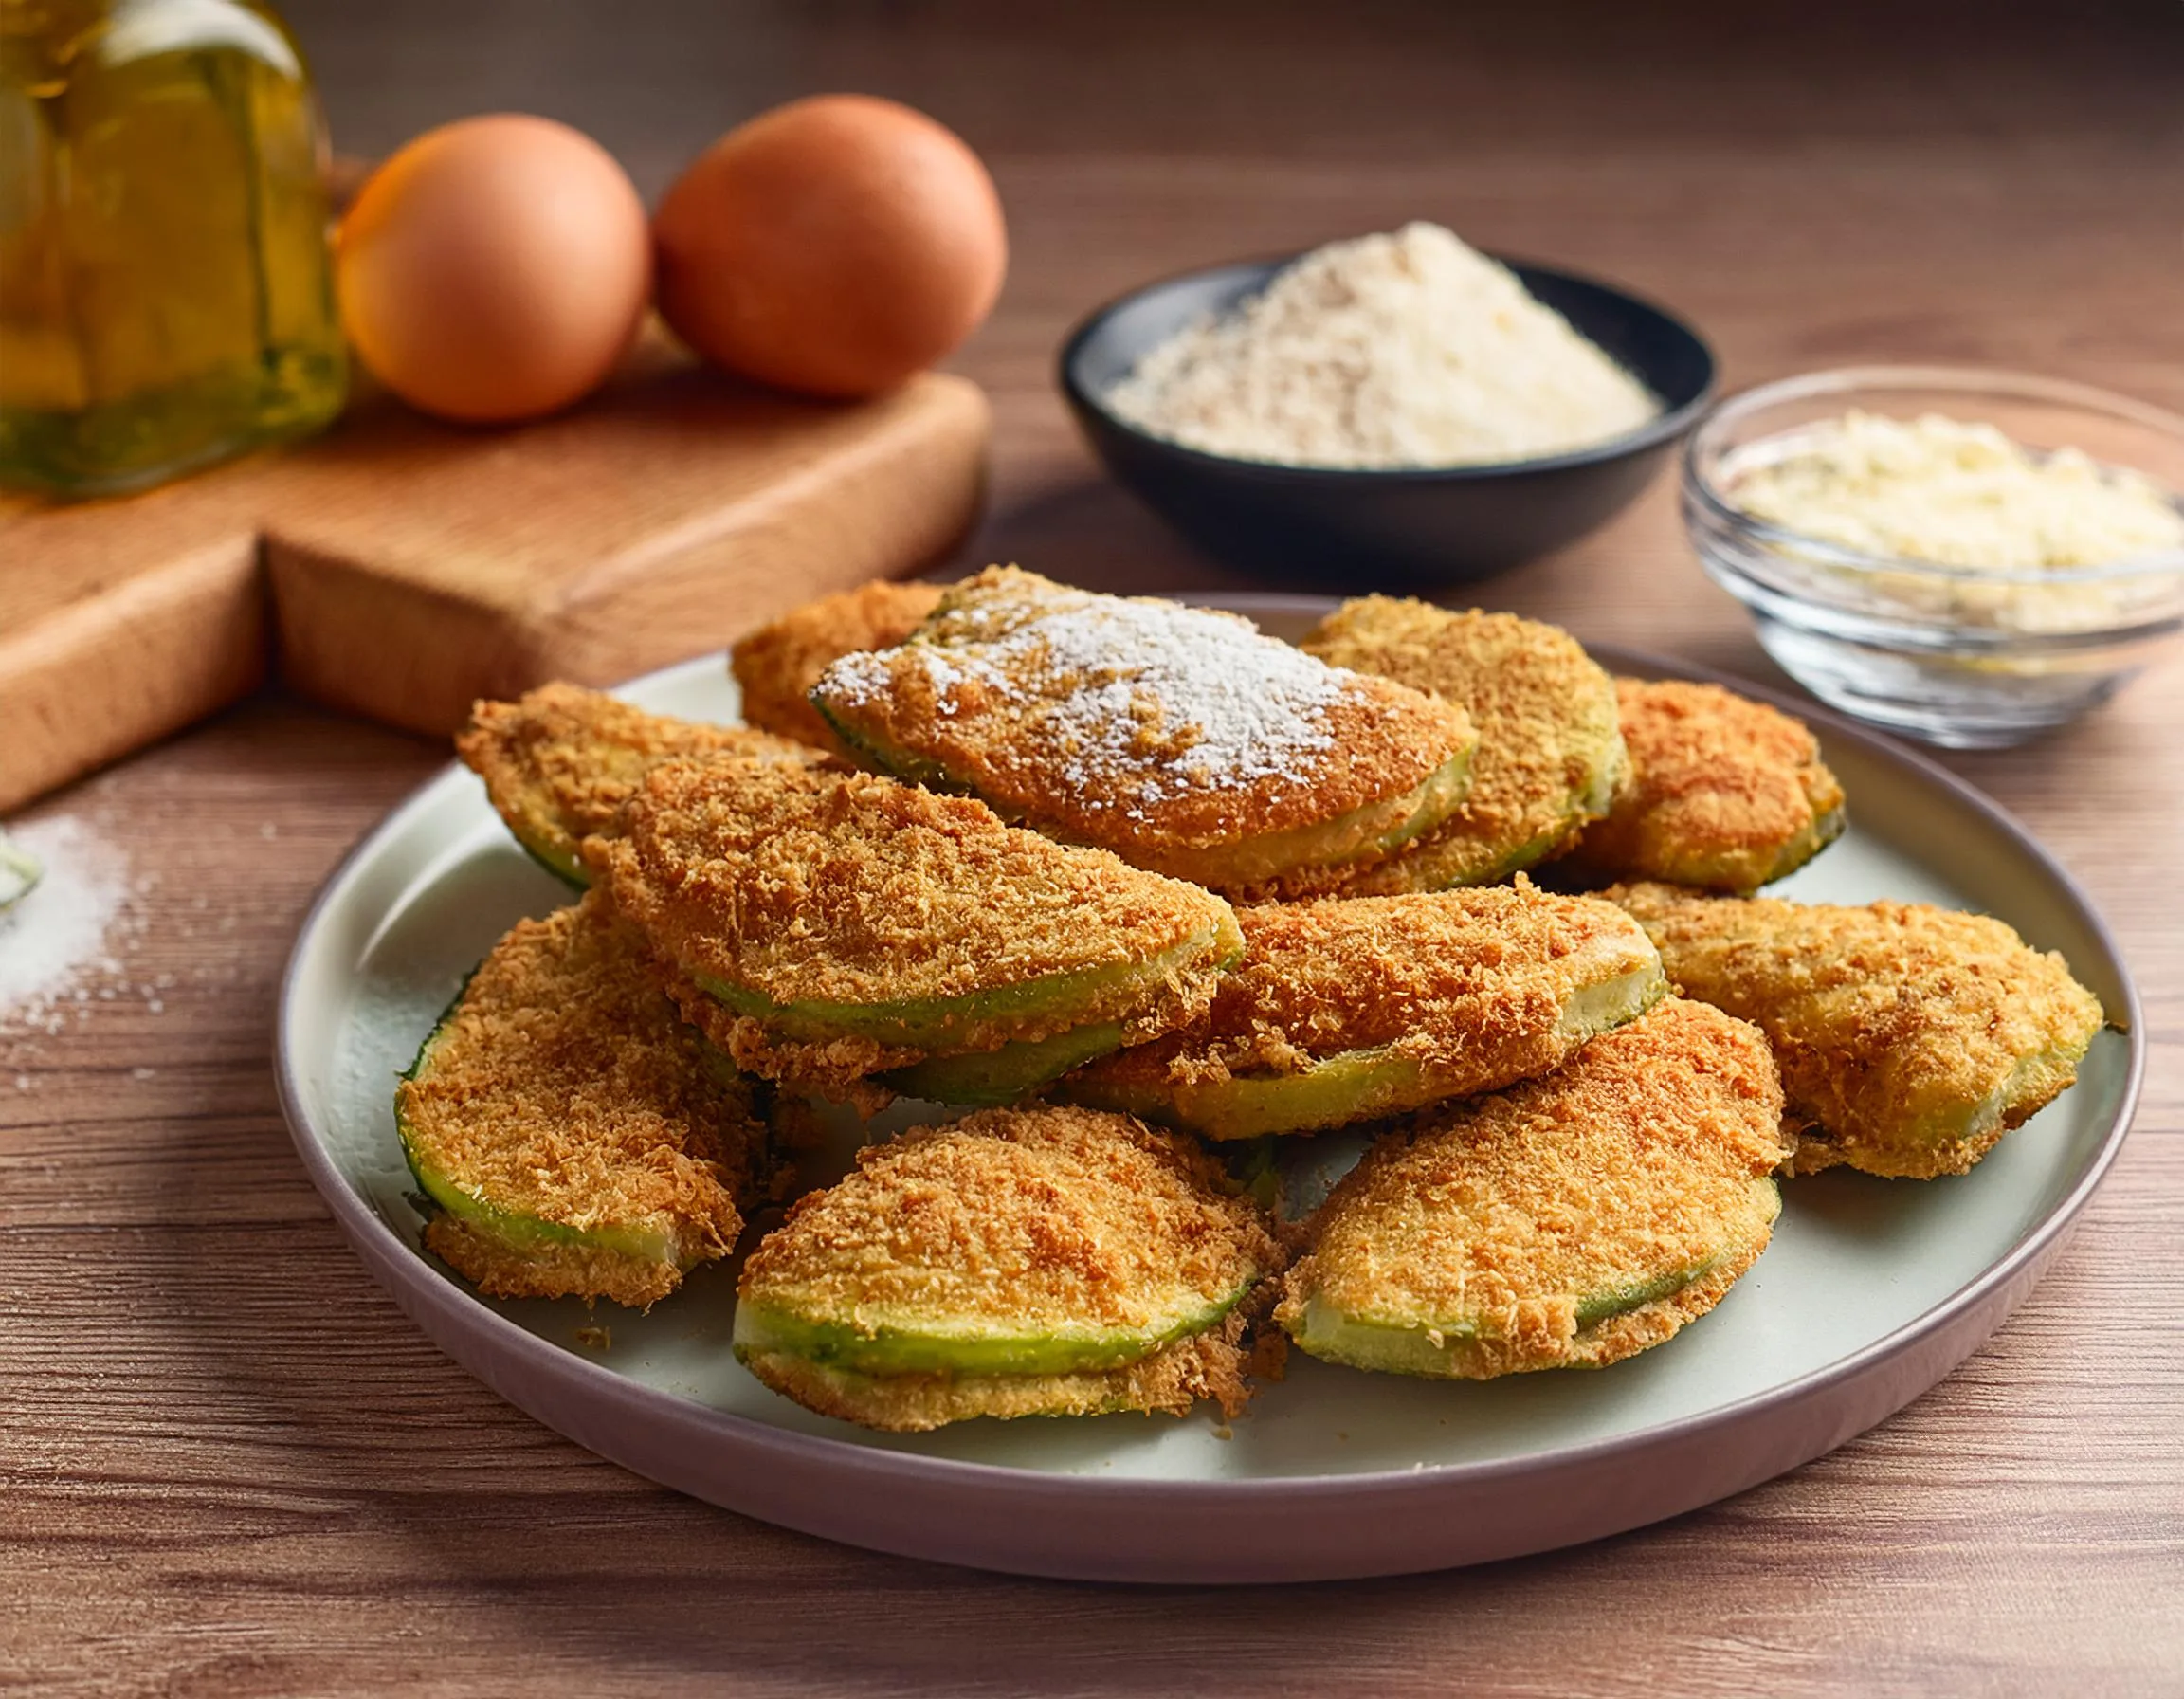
(918, 490)
(161, 651)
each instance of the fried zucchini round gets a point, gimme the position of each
(1549, 755)
(1346, 1010)
(826, 926)
(560, 763)
(1179, 738)
(1042, 1261)
(574, 1138)
(1910, 1038)
(776, 666)
(1568, 1222)
(1725, 794)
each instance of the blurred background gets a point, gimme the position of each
(1812, 186)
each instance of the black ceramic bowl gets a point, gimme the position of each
(1361, 530)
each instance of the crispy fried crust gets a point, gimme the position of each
(1159, 731)
(1550, 746)
(778, 664)
(839, 1070)
(562, 1089)
(560, 763)
(1725, 794)
(1647, 1155)
(803, 887)
(1039, 1219)
(1212, 1367)
(1470, 987)
(503, 1270)
(1910, 1037)
(1638, 1329)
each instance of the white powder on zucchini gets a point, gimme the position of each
(1954, 494)
(1147, 700)
(1389, 351)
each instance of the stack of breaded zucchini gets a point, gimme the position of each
(1155, 897)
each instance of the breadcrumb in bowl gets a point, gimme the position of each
(1347, 529)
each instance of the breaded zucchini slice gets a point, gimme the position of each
(1348, 1008)
(1567, 1223)
(20, 872)
(1179, 738)
(1549, 755)
(776, 666)
(573, 1136)
(560, 763)
(1725, 794)
(826, 926)
(1016, 1071)
(1041, 1261)
(1910, 1038)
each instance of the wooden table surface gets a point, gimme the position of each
(230, 1466)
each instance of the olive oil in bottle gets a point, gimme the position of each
(166, 284)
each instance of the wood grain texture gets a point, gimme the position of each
(417, 566)
(110, 637)
(230, 1466)
(412, 567)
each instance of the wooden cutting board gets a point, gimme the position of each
(401, 567)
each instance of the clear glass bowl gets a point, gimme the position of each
(1964, 658)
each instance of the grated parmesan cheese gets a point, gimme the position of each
(1940, 490)
(1389, 351)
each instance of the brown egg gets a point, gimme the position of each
(836, 244)
(495, 268)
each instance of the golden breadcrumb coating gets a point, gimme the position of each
(560, 763)
(801, 887)
(1911, 1038)
(561, 1090)
(1726, 794)
(1034, 1221)
(778, 664)
(1164, 733)
(1027, 1222)
(1213, 1366)
(1472, 988)
(1549, 751)
(1635, 1180)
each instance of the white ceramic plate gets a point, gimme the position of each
(1871, 1291)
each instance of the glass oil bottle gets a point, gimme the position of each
(166, 283)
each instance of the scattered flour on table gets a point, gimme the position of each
(1409, 349)
(67, 936)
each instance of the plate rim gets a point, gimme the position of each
(2002, 1282)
